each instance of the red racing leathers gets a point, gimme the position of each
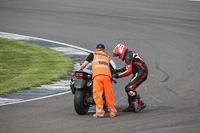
(134, 64)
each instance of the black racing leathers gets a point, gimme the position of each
(134, 64)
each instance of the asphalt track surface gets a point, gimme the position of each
(165, 32)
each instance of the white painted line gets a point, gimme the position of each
(23, 37)
(119, 100)
(195, 0)
(34, 99)
(6, 100)
(156, 99)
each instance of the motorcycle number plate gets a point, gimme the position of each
(79, 83)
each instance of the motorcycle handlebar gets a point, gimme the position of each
(114, 80)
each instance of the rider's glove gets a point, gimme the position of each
(116, 75)
(116, 70)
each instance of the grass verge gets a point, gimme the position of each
(24, 65)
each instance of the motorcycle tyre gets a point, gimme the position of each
(79, 105)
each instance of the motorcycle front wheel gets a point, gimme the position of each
(80, 103)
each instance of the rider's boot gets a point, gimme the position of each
(141, 106)
(131, 107)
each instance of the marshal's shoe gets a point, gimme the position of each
(96, 116)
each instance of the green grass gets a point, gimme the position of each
(24, 65)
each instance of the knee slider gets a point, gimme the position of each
(132, 93)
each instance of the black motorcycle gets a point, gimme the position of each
(81, 87)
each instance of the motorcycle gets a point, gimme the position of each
(81, 88)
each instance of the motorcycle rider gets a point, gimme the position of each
(101, 76)
(134, 64)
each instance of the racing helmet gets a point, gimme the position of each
(120, 51)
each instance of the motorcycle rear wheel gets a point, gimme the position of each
(80, 104)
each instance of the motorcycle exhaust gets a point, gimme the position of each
(73, 89)
(89, 83)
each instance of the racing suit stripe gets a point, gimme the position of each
(140, 64)
(138, 82)
(134, 77)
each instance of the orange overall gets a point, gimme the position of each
(102, 83)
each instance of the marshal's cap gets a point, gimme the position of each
(100, 46)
